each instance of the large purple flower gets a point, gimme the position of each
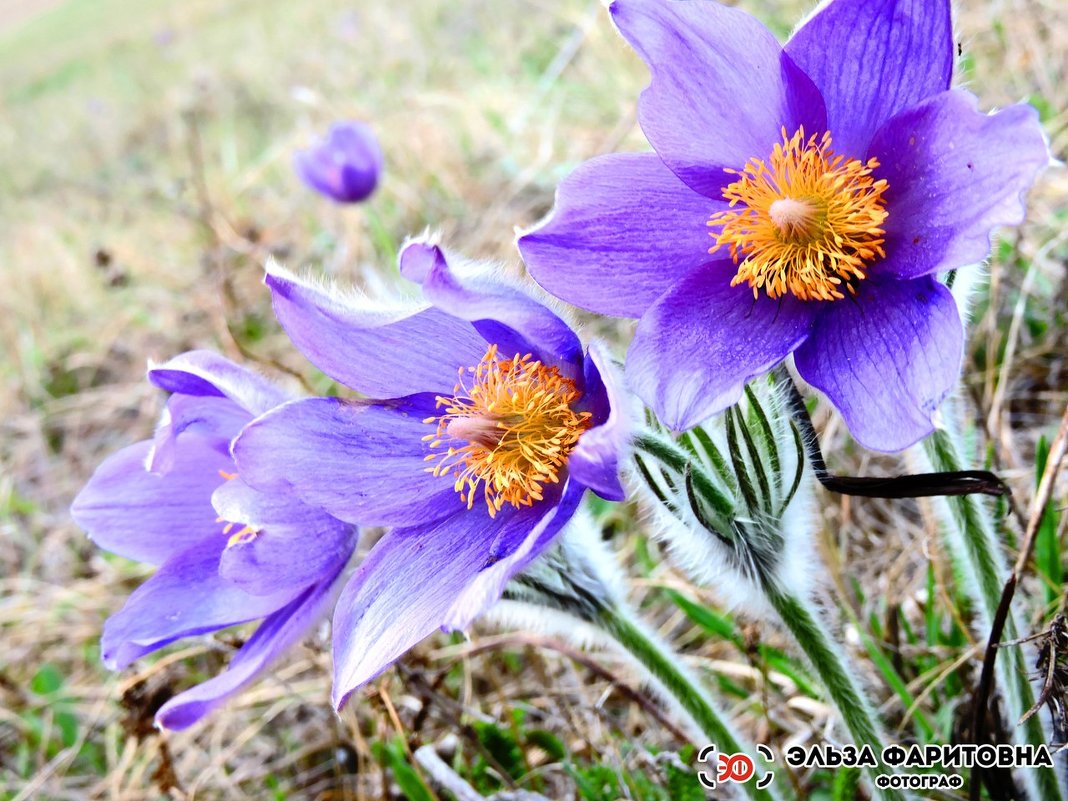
(486, 421)
(227, 553)
(837, 176)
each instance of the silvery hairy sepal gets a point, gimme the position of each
(572, 589)
(732, 497)
(576, 590)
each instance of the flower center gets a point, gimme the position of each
(806, 222)
(508, 427)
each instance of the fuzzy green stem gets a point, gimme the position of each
(973, 543)
(972, 539)
(681, 686)
(827, 659)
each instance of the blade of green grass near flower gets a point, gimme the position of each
(502, 745)
(1047, 548)
(54, 726)
(936, 632)
(607, 783)
(938, 635)
(383, 239)
(724, 628)
(683, 785)
(845, 784)
(972, 542)
(392, 754)
(886, 668)
(930, 612)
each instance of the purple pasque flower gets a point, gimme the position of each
(345, 166)
(836, 175)
(485, 422)
(227, 554)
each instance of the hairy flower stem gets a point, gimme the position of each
(972, 542)
(826, 657)
(680, 685)
(733, 503)
(577, 585)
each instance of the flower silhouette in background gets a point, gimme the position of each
(485, 422)
(226, 553)
(344, 167)
(836, 176)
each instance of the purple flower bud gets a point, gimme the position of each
(345, 167)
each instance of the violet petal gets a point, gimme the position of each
(203, 373)
(872, 59)
(215, 421)
(623, 230)
(146, 516)
(294, 544)
(953, 174)
(361, 462)
(483, 298)
(405, 588)
(701, 342)
(886, 359)
(512, 557)
(721, 89)
(185, 597)
(381, 353)
(595, 461)
(277, 633)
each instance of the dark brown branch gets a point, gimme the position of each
(1038, 509)
(919, 485)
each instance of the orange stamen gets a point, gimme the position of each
(509, 432)
(243, 534)
(807, 222)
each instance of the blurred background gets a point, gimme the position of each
(145, 177)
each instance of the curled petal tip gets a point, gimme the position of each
(418, 258)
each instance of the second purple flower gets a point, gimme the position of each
(487, 422)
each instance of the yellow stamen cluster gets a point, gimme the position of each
(508, 427)
(804, 222)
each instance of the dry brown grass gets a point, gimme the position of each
(144, 178)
